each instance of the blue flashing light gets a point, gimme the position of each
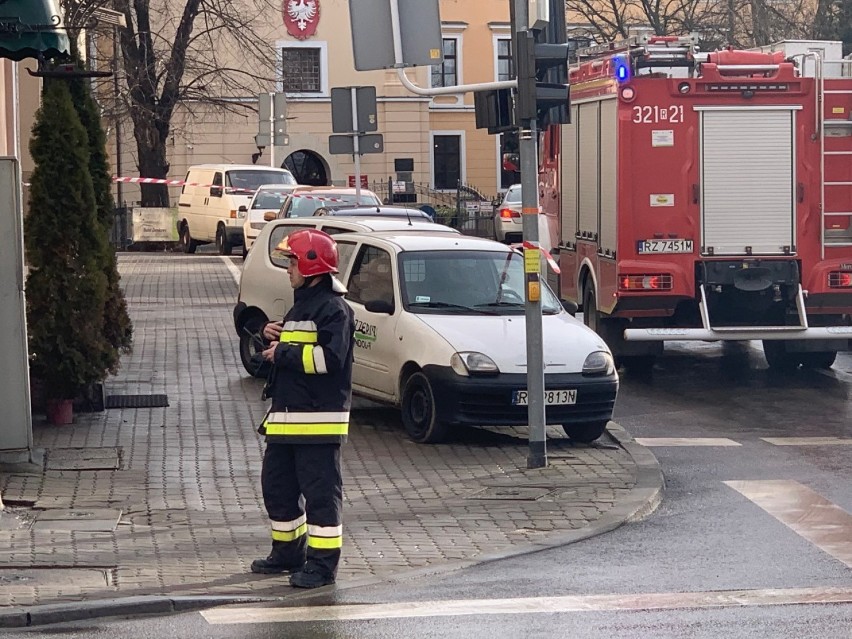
(622, 70)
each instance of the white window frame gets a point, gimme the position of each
(459, 38)
(298, 44)
(495, 38)
(462, 157)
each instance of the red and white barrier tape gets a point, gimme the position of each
(141, 180)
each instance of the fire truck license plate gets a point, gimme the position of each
(551, 397)
(665, 246)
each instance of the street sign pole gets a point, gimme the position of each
(356, 146)
(272, 130)
(528, 143)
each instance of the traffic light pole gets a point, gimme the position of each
(528, 142)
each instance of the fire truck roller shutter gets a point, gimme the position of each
(590, 168)
(748, 180)
(568, 180)
(609, 176)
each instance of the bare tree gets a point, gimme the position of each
(182, 53)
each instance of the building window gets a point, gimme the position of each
(446, 158)
(446, 74)
(504, 60)
(301, 69)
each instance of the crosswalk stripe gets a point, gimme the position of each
(235, 271)
(685, 441)
(808, 441)
(808, 513)
(532, 605)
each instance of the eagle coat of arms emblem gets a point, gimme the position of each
(301, 17)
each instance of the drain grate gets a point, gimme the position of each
(516, 493)
(137, 401)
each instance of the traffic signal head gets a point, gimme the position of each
(542, 70)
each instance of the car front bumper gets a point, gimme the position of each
(484, 401)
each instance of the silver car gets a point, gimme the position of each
(507, 220)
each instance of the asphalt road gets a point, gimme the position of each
(753, 538)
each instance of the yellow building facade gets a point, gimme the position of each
(432, 139)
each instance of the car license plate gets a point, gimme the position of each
(665, 246)
(551, 397)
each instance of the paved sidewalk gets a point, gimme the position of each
(167, 501)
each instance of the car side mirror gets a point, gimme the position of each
(269, 216)
(215, 191)
(379, 306)
(570, 307)
(243, 208)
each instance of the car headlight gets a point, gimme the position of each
(599, 363)
(468, 363)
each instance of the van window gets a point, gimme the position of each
(251, 179)
(216, 189)
(345, 251)
(279, 233)
(371, 279)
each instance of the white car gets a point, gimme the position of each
(265, 291)
(440, 333)
(508, 224)
(265, 203)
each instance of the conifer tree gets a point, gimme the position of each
(66, 285)
(117, 325)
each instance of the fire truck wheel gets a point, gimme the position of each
(419, 414)
(777, 356)
(637, 363)
(820, 360)
(591, 314)
(584, 433)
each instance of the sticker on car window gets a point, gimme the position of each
(423, 298)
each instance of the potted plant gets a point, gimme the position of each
(67, 287)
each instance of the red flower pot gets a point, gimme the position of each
(60, 412)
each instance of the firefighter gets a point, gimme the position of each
(311, 389)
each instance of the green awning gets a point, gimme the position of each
(30, 29)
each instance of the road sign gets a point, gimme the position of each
(372, 33)
(279, 120)
(341, 110)
(343, 144)
(365, 183)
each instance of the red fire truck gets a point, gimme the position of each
(706, 197)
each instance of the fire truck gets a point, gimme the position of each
(706, 196)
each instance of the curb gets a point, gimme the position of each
(643, 499)
(120, 607)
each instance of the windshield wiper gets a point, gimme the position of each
(548, 310)
(448, 305)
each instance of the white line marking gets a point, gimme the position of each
(236, 272)
(685, 441)
(532, 605)
(808, 441)
(806, 512)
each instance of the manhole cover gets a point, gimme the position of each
(82, 459)
(523, 493)
(137, 401)
(91, 520)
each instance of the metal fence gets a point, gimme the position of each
(121, 234)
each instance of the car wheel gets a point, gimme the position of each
(584, 433)
(820, 360)
(245, 252)
(419, 414)
(222, 243)
(187, 244)
(252, 345)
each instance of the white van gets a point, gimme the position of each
(208, 209)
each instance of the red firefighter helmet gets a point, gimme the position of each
(314, 250)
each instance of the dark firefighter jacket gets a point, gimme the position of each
(311, 388)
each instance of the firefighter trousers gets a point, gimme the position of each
(315, 533)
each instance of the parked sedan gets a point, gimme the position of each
(265, 204)
(440, 333)
(508, 226)
(304, 200)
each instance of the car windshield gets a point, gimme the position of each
(467, 283)
(513, 195)
(250, 180)
(305, 206)
(269, 199)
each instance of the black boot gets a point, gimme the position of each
(285, 557)
(311, 576)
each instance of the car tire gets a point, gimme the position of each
(222, 244)
(249, 348)
(187, 244)
(584, 433)
(419, 414)
(245, 252)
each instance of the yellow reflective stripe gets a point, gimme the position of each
(308, 359)
(299, 337)
(325, 543)
(273, 428)
(289, 535)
